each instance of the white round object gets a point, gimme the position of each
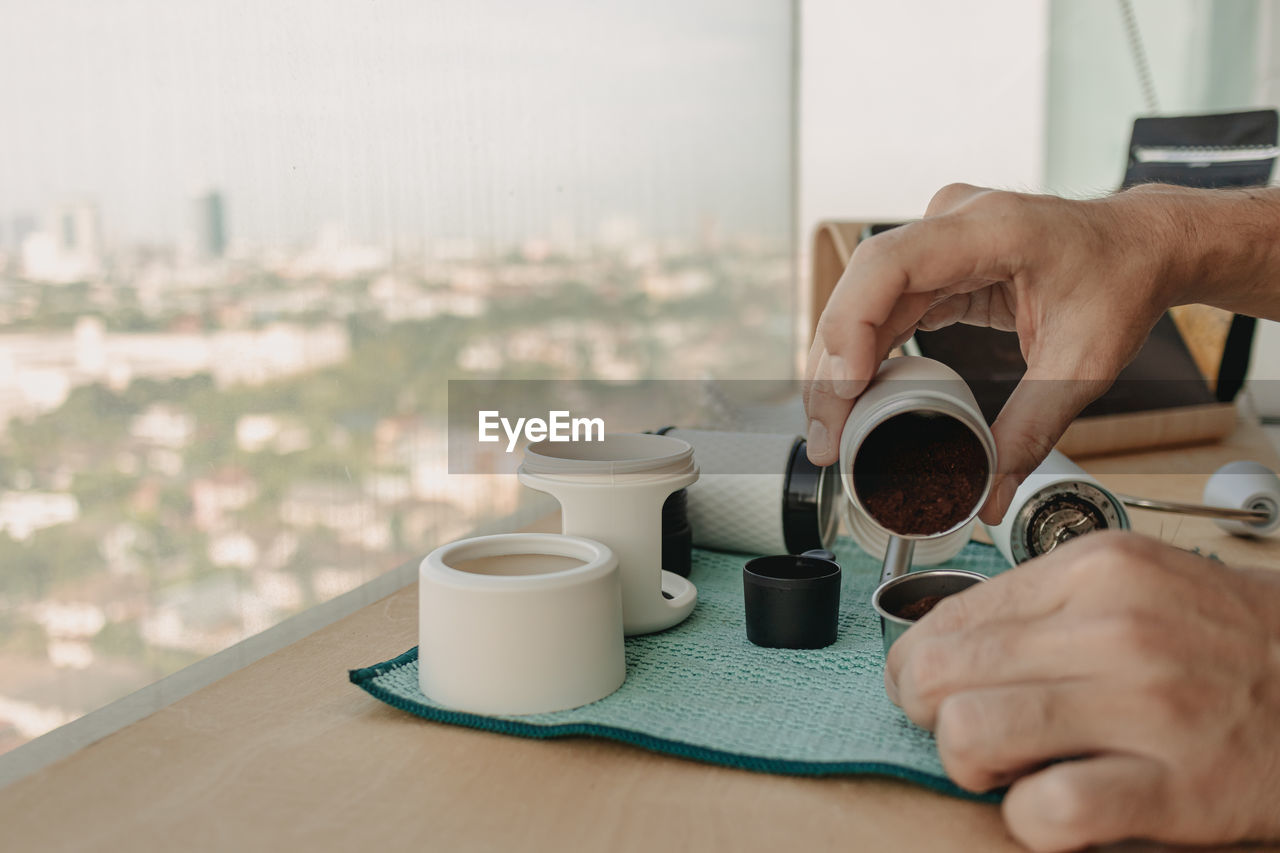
(1245, 485)
(612, 491)
(520, 623)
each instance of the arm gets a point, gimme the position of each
(1226, 245)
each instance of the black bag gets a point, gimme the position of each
(1213, 151)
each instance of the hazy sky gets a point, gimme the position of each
(488, 119)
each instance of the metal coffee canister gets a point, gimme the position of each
(911, 385)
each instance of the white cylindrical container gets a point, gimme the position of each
(914, 387)
(612, 491)
(1058, 501)
(1245, 485)
(521, 623)
(758, 493)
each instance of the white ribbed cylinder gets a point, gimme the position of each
(734, 511)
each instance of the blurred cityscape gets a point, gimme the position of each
(198, 440)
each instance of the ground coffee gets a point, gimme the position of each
(913, 610)
(920, 473)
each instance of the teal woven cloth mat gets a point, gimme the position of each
(702, 691)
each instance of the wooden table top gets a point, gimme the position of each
(286, 754)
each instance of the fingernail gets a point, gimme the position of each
(1004, 494)
(841, 376)
(992, 510)
(819, 441)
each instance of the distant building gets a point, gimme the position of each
(39, 369)
(215, 497)
(69, 248)
(336, 254)
(282, 591)
(235, 549)
(77, 230)
(23, 513)
(208, 227)
(279, 433)
(338, 506)
(204, 616)
(163, 425)
(680, 284)
(77, 620)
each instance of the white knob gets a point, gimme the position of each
(1245, 485)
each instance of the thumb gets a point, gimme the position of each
(1034, 417)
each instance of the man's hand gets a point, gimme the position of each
(1124, 688)
(1081, 282)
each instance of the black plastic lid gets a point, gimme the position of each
(808, 509)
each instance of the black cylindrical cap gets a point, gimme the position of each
(792, 602)
(808, 505)
(677, 535)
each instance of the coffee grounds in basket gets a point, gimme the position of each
(920, 473)
(915, 609)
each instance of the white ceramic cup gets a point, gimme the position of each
(612, 491)
(520, 623)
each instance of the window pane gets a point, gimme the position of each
(1200, 57)
(243, 245)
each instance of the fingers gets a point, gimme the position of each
(990, 736)
(1025, 595)
(1034, 417)
(919, 259)
(1088, 801)
(829, 391)
(833, 386)
(945, 313)
(828, 405)
(994, 655)
(889, 284)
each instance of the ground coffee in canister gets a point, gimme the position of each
(920, 473)
(913, 610)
